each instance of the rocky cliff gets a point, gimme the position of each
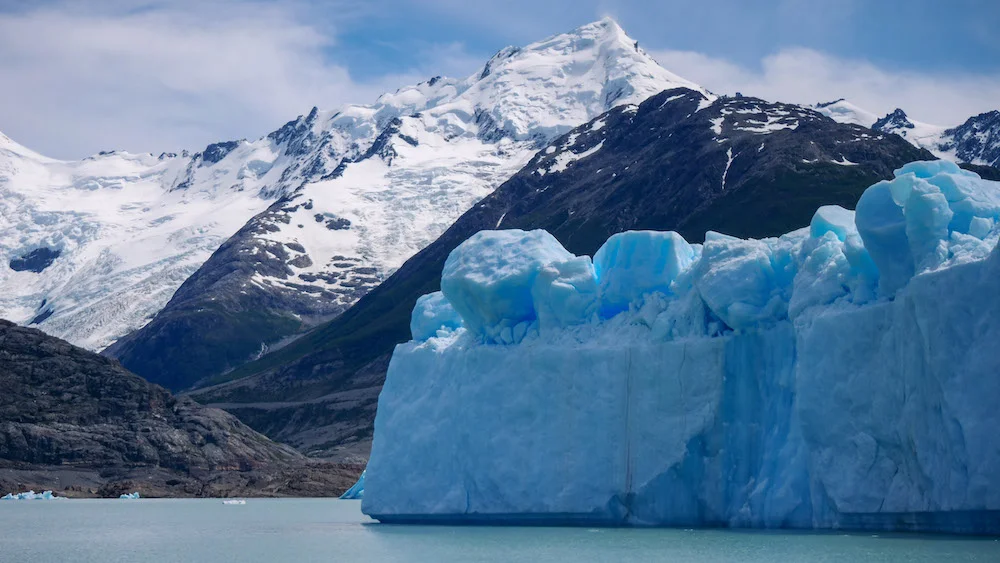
(78, 423)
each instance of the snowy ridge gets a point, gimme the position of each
(841, 375)
(371, 185)
(977, 141)
(923, 135)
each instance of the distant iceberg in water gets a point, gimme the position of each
(31, 495)
(842, 375)
(357, 490)
(130, 496)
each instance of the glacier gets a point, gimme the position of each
(840, 376)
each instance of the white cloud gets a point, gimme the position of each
(806, 76)
(170, 78)
(84, 76)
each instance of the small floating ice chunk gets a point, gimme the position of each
(130, 496)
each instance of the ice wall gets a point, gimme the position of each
(843, 375)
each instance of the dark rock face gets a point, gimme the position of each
(338, 224)
(893, 122)
(297, 133)
(742, 166)
(217, 151)
(64, 409)
(35, 261)
(985, 172)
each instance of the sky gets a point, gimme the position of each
(77, 77)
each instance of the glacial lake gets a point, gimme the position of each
(306, 530)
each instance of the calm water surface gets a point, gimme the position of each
(305, 530)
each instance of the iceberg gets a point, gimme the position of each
(843, 375)
(31, 495)
(357, 490)
(130, 496)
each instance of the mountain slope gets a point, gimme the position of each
(678, 161)
(430, 153)
(70, 416)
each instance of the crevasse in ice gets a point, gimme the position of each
(841, 375)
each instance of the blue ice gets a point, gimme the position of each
(841, 375)
(357, 490)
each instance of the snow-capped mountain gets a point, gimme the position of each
(444, 144)
(379, 183)
(977, 141)
(924, 135)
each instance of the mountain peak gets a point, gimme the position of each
(600, 35)
(541, 90)
(531, 93)
(606, 26)
(893, 122)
